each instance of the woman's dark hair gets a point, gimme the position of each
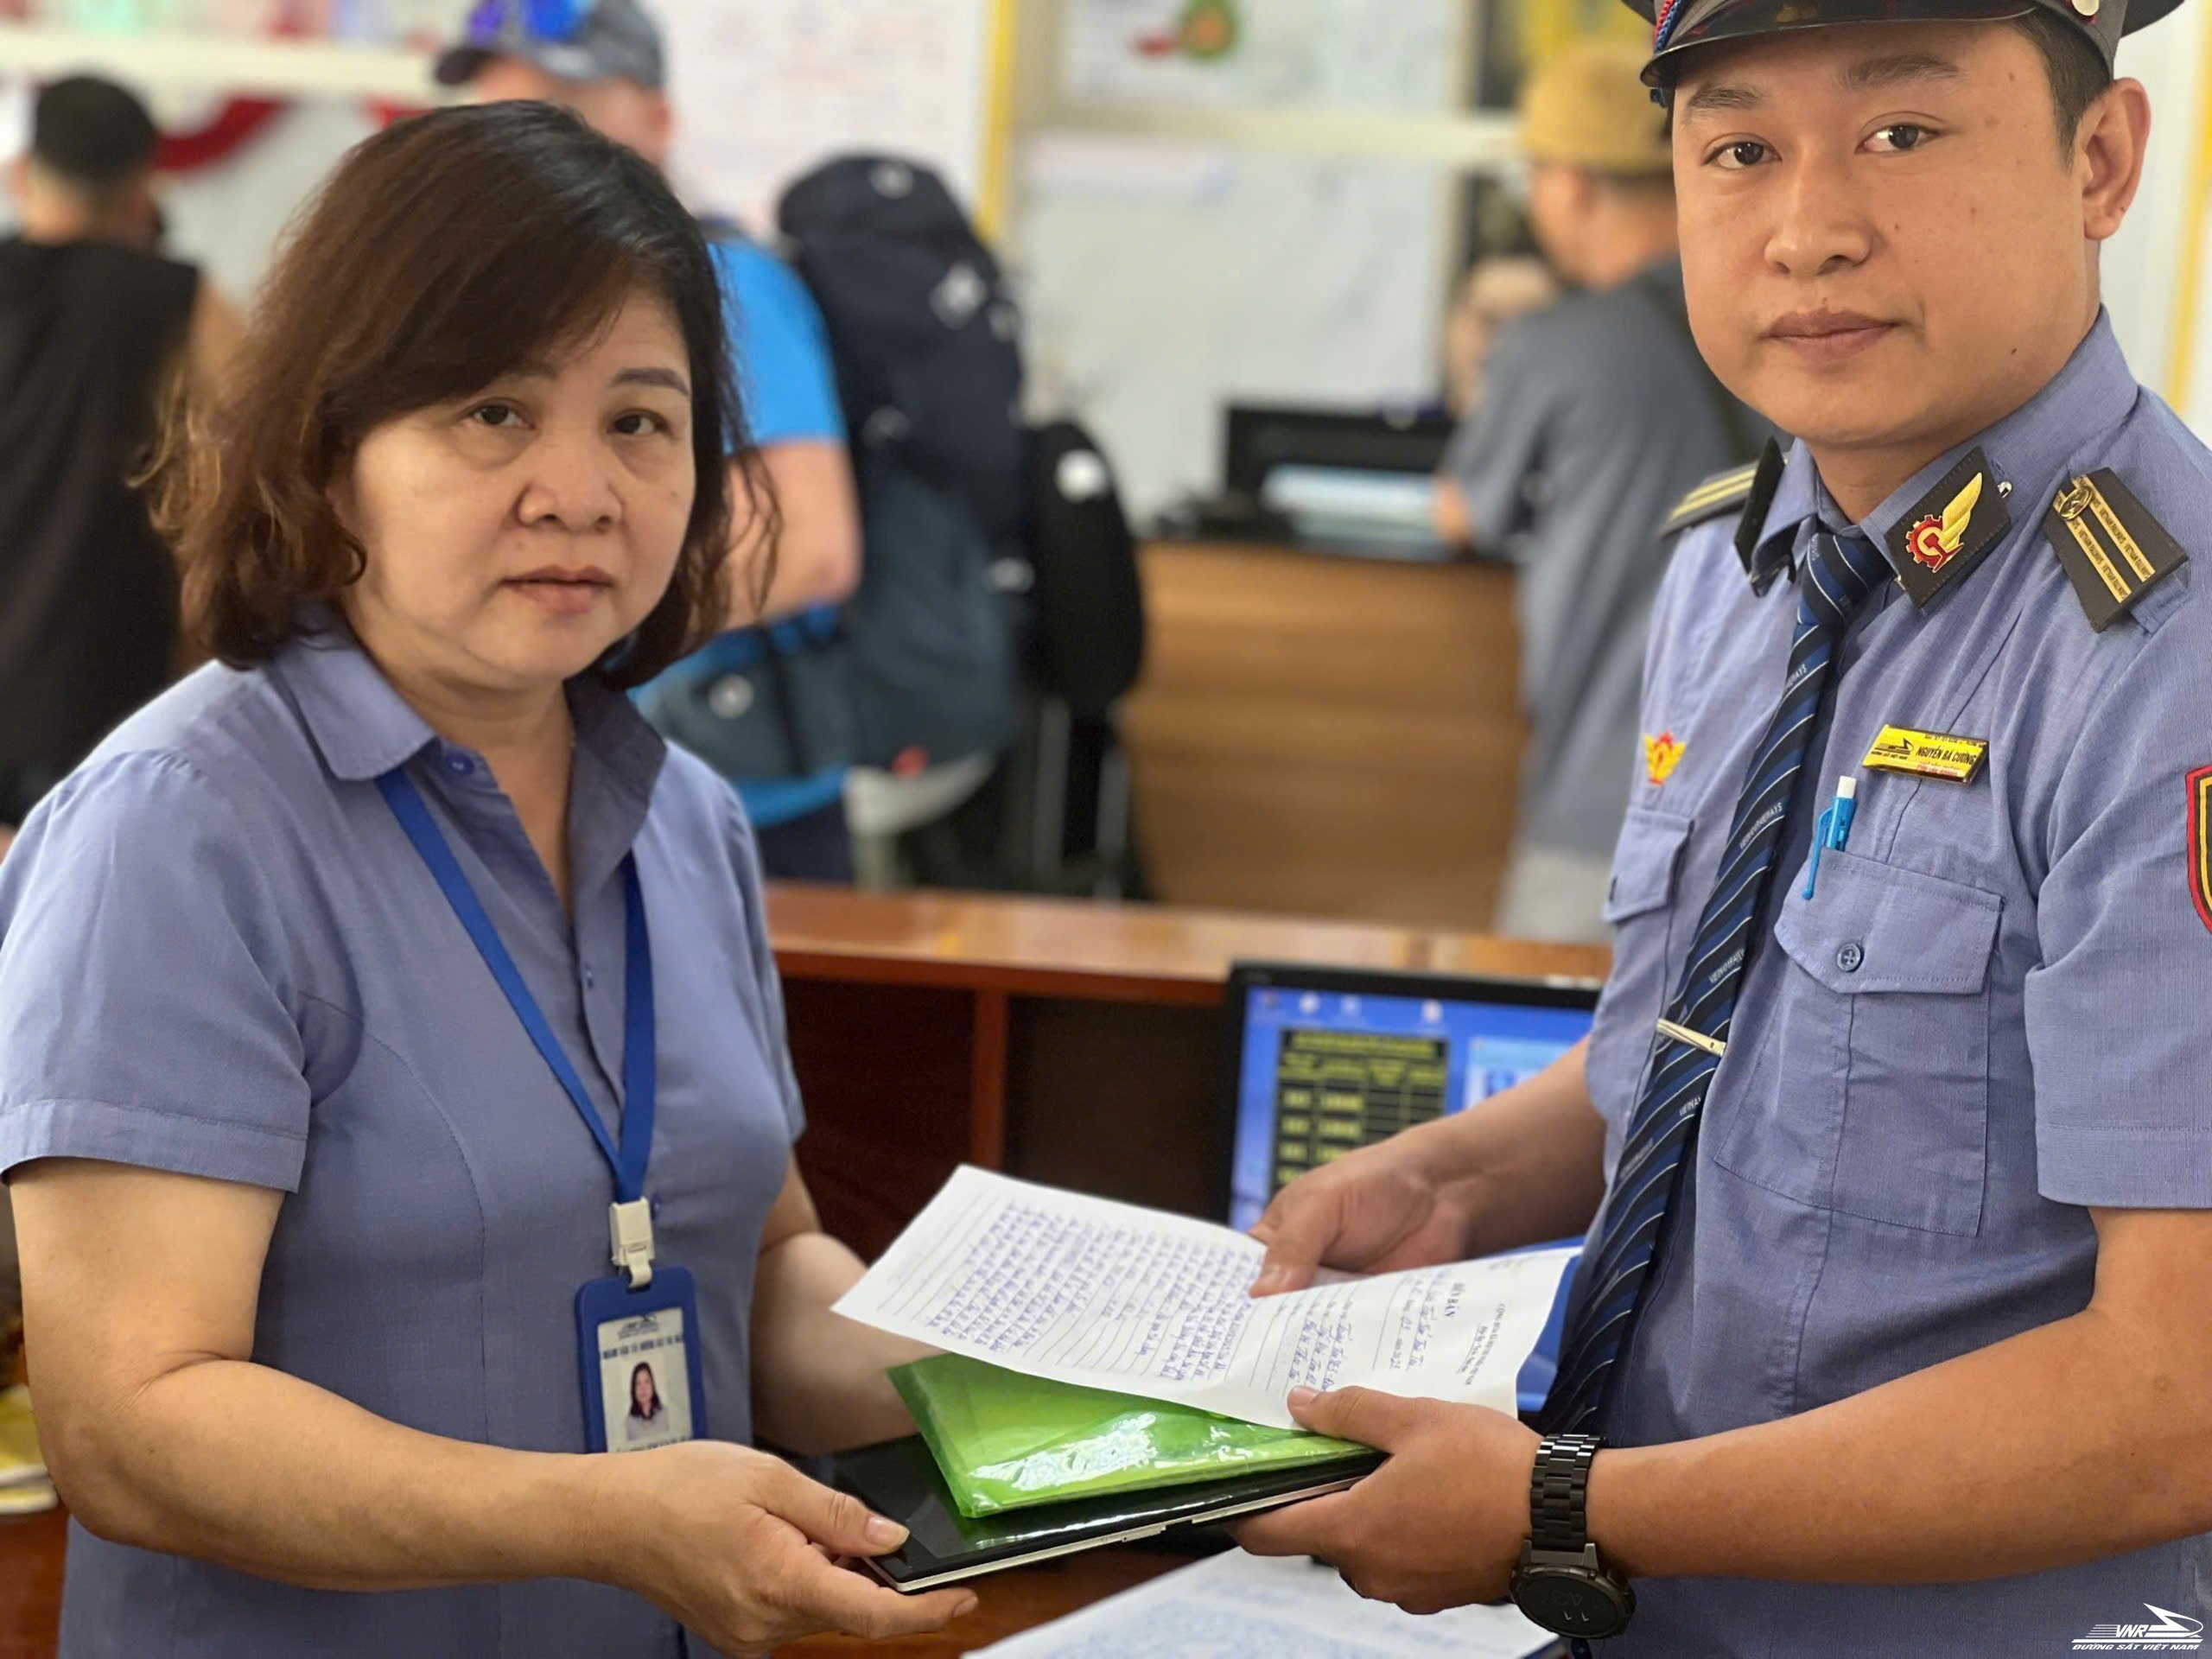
(444, 252)
(645, 1371)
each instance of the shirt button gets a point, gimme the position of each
(1850, 957)
(589, 979)
(458, 764)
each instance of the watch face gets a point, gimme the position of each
(1573, 1603)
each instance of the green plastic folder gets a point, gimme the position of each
(1003, 1441)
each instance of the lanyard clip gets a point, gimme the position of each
(630, 1235)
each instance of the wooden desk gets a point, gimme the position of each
(1074, 1044)
(1325, 735)
(30, 1598)
(30, 1584)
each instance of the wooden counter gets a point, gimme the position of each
(1078, 1044)
(1325, 735)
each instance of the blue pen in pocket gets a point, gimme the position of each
(1833, 827)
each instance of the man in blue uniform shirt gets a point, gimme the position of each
(1893, 1138)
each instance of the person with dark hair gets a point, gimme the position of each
(367, 993)
(92, 322)
(1891, 1143)
(91, 318)
(604, 58)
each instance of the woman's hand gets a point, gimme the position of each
(741, 1548)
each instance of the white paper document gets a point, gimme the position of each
(1240, 1607)
(1089, 1291)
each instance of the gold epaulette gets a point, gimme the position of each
(2114, 550)
(1722, 493)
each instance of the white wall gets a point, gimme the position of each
(1159, 286)
(228, 219)
(2142, 266)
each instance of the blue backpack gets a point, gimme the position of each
(923, 664)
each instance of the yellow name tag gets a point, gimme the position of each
(1927, 755)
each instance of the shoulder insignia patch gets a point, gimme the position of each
(1722, 493)
(1944, 534)
(2114, 550)
(1766, 480)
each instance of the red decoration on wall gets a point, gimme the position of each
(232, 125)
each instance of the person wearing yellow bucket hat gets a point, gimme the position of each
(1596, 415)
(1891, 1142)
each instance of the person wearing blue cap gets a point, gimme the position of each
(1892, 1141)
(604, 58)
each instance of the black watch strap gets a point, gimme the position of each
(1558, 1488)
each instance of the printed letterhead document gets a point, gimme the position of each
(1240, 1607)
(1085, 1290)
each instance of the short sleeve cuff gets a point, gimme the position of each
(149, 1138)
(2125, 1169)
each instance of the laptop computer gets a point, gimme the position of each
(1321, 1061)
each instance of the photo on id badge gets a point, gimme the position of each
(645, 1382)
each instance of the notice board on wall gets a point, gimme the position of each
(766, 90)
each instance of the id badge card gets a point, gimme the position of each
(639, 1362)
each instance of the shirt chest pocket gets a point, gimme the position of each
(1870, 1092)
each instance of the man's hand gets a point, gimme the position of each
(1439, 1525)
(1379, 1209)
(1524, 1166)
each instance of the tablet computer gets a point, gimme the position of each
(899, 1479)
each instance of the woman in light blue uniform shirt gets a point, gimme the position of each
(356, 995)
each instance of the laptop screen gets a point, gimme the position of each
(1340, 1061)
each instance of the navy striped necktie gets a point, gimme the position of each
(1616, 1263)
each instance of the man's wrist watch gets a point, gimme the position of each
(1560, 1583)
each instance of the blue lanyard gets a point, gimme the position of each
(628, 1161)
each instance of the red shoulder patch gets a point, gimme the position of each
(2200, 842)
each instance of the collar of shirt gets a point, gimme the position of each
(363, 727)
(2030, 447)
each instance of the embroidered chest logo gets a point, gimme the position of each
(1935, 542)
(2200, 842)
(1661, 756)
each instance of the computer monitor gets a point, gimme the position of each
(1356, 478)
(1258, 438)
(1323, 1061)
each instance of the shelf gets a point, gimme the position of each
(1472, 141)
(262, 68)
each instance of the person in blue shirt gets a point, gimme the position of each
(369, 996)
(1892, 1138)
(605, 61)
